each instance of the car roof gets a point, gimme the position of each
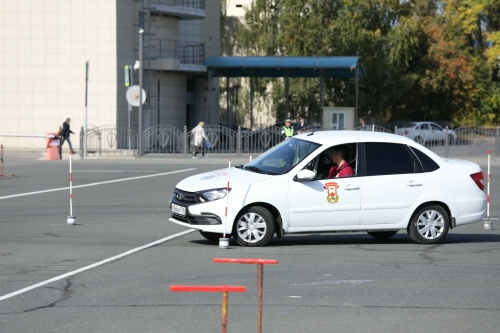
(344, 136)
(422, 122)
(330, 138)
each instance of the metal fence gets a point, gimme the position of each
(162, 139)
(197, 4)
(109, 140)
(187, 52)
(165, 139)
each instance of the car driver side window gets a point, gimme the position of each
(327, 163)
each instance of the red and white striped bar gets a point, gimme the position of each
(71, 219)
(224, 241)
(487, 222)
(30, 135)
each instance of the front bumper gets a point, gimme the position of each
(204, 218)
(207, 213)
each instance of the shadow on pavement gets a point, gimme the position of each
(361, 239)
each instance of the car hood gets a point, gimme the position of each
(218, 179)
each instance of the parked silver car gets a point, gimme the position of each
(426, 131)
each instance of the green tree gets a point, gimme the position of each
(424, 59)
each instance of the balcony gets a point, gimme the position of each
(173, 55)
(182, 9)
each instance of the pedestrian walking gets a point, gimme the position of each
(198, 137)
(66, 130)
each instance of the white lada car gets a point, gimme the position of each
(397, 184)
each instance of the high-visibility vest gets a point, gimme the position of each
(287, 131)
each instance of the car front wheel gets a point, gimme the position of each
(254, 227)
(429, 226)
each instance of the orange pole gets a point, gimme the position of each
(224, 312)
(260, 278)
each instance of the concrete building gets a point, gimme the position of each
(44, 45)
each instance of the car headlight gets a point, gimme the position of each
(211, 195)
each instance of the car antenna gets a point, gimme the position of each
(312, 133)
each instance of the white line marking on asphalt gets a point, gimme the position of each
(93, 184)
(125, 171)
(320, 283)
(15, 293)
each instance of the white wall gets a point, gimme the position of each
(43, 48)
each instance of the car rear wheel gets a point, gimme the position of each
(429, 225)
(212, 236)
(382, 234)
(254, 227)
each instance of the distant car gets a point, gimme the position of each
(426, 131)
(396, 185)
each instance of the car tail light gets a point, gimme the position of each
(478, 179)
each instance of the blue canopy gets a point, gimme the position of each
(334, 67)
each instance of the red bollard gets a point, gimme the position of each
(213, 289)
(260, 278)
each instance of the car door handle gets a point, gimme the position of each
(413, 183)
(350, 187)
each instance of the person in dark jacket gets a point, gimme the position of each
(302, 125)
(65, 134)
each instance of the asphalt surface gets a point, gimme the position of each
(322, 283)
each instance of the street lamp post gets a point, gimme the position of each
(141, 65)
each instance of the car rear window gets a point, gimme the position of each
(388, 159)
(427, 163)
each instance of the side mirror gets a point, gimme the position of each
(305, 175)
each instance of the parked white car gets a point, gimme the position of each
(397, 184)
(426, 131)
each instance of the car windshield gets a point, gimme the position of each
(283, 157)
(410, 125)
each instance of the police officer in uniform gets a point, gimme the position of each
(288, 130)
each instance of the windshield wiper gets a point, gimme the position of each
(255, 169)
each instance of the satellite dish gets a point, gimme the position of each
(132, 95)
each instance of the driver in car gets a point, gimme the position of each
(341, 168)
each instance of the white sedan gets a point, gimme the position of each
(426, 131)
(396, 184)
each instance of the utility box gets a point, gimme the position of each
(52, 147)
(338, 118)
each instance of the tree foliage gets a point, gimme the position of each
(425, 59)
